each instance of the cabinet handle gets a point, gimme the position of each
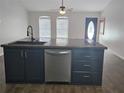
(26, 55)
(21, 53)
(86, 76)
(86, 65)
(88, 56)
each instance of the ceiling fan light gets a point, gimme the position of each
(62, 10)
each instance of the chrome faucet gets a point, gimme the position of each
(30, 32)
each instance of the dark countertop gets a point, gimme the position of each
(57, 43)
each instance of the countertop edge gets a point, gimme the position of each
(54, 45)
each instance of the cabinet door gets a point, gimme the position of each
(14, 65)
(34, 65)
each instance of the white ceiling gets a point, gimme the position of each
(77, 5)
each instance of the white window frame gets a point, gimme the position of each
(40, 28)
(57, 32)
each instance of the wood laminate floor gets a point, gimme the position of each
(113, 81)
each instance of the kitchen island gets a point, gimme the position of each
(24, 60)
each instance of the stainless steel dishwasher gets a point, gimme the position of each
(57, 65)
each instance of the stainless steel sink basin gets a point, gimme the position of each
(30, 42)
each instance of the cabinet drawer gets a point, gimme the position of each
(85, 57)
(83, 77)
(85, 54)
(84, 66)
(85, 51)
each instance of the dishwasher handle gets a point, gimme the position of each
(57, 52)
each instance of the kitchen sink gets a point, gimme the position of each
(30, 42)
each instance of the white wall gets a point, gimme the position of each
(13, 21)
(76, 22)
(114, 30)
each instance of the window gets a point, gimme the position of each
(62, 27)
(91, 30)
(45, 26)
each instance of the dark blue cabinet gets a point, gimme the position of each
(14, 65)
(34, 67)
(24, 65)
(87, 65)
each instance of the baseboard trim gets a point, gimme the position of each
(121, 57)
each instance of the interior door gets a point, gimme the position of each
(91, 28)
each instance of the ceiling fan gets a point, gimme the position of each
(62, 9)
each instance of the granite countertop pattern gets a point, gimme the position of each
(57, 43)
